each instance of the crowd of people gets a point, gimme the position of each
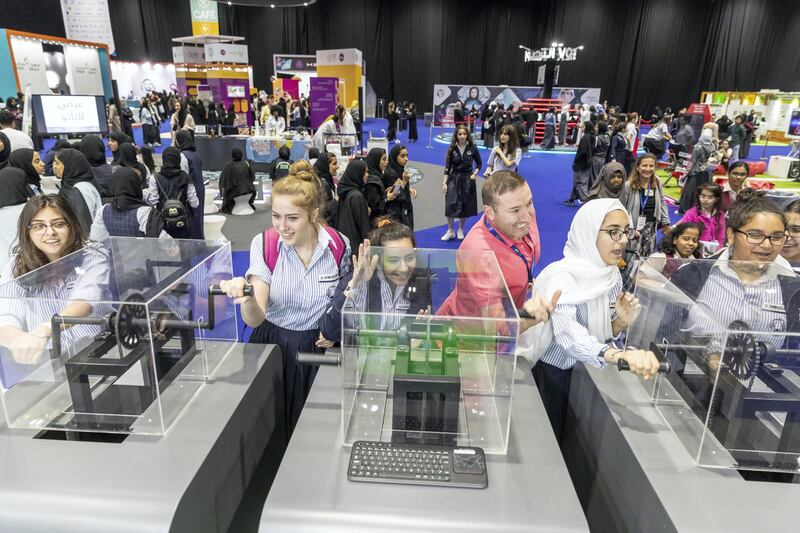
(324, 222)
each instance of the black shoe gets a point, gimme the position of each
(570, 203)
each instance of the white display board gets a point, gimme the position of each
(70, 114)
(226, 53)
(83, 67)
(88, 20)
(137, 79)
(188, 54)
(29, 59)
(343, 56)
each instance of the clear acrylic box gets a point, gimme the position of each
(732, 395)
(142, 339)
(436, 377)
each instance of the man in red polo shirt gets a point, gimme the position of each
(507, 228)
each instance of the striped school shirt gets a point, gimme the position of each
(394, 303)
(725, 299)
(572, 342)
(27, 302)
(298, 297)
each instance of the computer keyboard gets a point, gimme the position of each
(448, 466)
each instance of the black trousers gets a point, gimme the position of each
(553, 384)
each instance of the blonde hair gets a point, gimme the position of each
(299, 166)
(305, 187)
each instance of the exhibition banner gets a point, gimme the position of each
(446, 96)
(29, 59)
(83, 66)
(294, 63)
(226, 53)
(88, 20)
(344, 56)
(188, 54)
(205, 20)
(324, 98)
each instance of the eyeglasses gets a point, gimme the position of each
(756, 237)
(793, 231)
(616, 233)
(738, 174)
(41, 227)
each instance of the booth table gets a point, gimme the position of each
(191, 479)
(529, 488)
(216, 151)
(633, 474)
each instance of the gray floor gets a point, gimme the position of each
(428, 209)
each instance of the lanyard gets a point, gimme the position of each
(514, 248)
(644, 199)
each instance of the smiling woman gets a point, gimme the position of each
(294, 270)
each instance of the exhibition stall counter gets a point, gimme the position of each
(529, 487)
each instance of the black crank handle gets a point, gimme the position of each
(215, 290)
(663, 366)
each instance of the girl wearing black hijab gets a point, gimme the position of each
(171, 182)
(352, 215)
(127, 215)
(324, 168)
(77, 186)
(184, 139)
(5, 149)
(236, 180)
(127, 158)
(94, 149)
(51, 154)
(14, 193)
(398, 204)
(374, 190)
(115, 140)
(28, 161)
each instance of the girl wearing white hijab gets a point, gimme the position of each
(591, 312)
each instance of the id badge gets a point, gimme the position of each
(640, 222)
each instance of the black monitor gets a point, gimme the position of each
(68, 114)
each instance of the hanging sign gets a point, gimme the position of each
(555, 52)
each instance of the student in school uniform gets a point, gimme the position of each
(48, 230)
(592, 310)
(294, 269)
(127, 215)
(392, 284)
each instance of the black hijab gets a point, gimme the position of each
(322, 169)
(353, 178)
(127, 158)
(22, 158)
(76, 168)
(374, 162)
(393, 170)
(94, 149)
(126, 188)
(14, 189)
(171, 163)
(121, 139)
(184, 140)
(236, 154)
(6, 151)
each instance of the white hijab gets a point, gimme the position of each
(582, 276)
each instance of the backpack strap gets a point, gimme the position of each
(336, 245)
(271, 248)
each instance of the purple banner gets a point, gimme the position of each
(324, 97)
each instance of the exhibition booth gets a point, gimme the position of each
(42, 64)
(136, 79)
(215, 68)
(772, 109)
